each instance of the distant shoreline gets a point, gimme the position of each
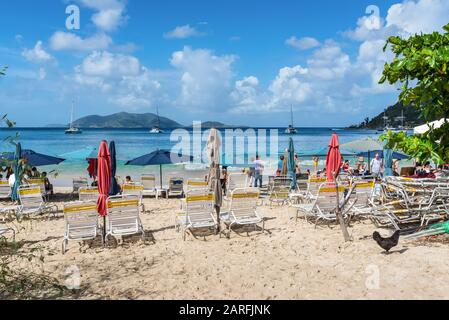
(186, 127)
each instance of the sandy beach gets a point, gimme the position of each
(289, 261)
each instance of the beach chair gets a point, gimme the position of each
(194, 185)
(123, 217)
(81, 222)
(77, 184)
(5, 190)
(197, 184)
(41, 184)
(6, 230)
(313, 186)
(88, 193)
(134, 189)
(325, 204)
(279, 195)
(243, 210)
(198, 212)
(362, 194)
(175, 187)
(149, 184)
(237, 181)
(5, 194)
(32, 202)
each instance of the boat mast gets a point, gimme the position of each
(71, 115)
(158, 118)
(291, 110)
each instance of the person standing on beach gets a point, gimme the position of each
(251, 173)
(297, 167)
(259, 168)
(376, 166)
(316, 161)
(280, 165)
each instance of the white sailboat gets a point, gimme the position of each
(399, 129)
(291, 129)
(157, 129)
(73, 129)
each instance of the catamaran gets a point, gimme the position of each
(157, 129)
(73, 129)
(291, 129)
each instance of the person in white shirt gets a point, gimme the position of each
(376, 166)
(259, 168)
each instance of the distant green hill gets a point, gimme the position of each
(125, 120)
(217, 125)
(412, 118)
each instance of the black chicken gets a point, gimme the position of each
(387, 243)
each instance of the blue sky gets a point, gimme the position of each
(239, 62)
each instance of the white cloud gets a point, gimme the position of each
(108, 65)
(419, 16)
(110, 15)
(245, 94)
(289, 86)
(37, 54)
(205, 77)
(404, 19)
(183, 32)
(127, 83)
(68, 41)
(303, 43)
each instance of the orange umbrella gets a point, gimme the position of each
(104, 178)
(333, 160)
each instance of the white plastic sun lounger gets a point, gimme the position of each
(198, 212)
(324, 206)
(149, 184)
(88, 193)
(77, 184)
(134, 189)
(32, 202)
(123, 217)
(243, 209)
(5, 190)
(81, 222)
(175, 187)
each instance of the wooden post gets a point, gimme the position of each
(339, 215)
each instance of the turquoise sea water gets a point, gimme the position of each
(131, 143)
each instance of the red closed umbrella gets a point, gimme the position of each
(333, 160)
(104, 178)
(92, 168)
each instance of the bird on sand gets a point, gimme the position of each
(387, 243)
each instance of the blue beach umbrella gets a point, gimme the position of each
(114, 189)
(159, 157)
(388, 162)
(34, 159)
(291, 163)
(17, 172)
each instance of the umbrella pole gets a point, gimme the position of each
(104, 231)
(217, 208)
(160, 173)
(340, 218)
(369, 161)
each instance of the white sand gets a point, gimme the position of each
(290, 261)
